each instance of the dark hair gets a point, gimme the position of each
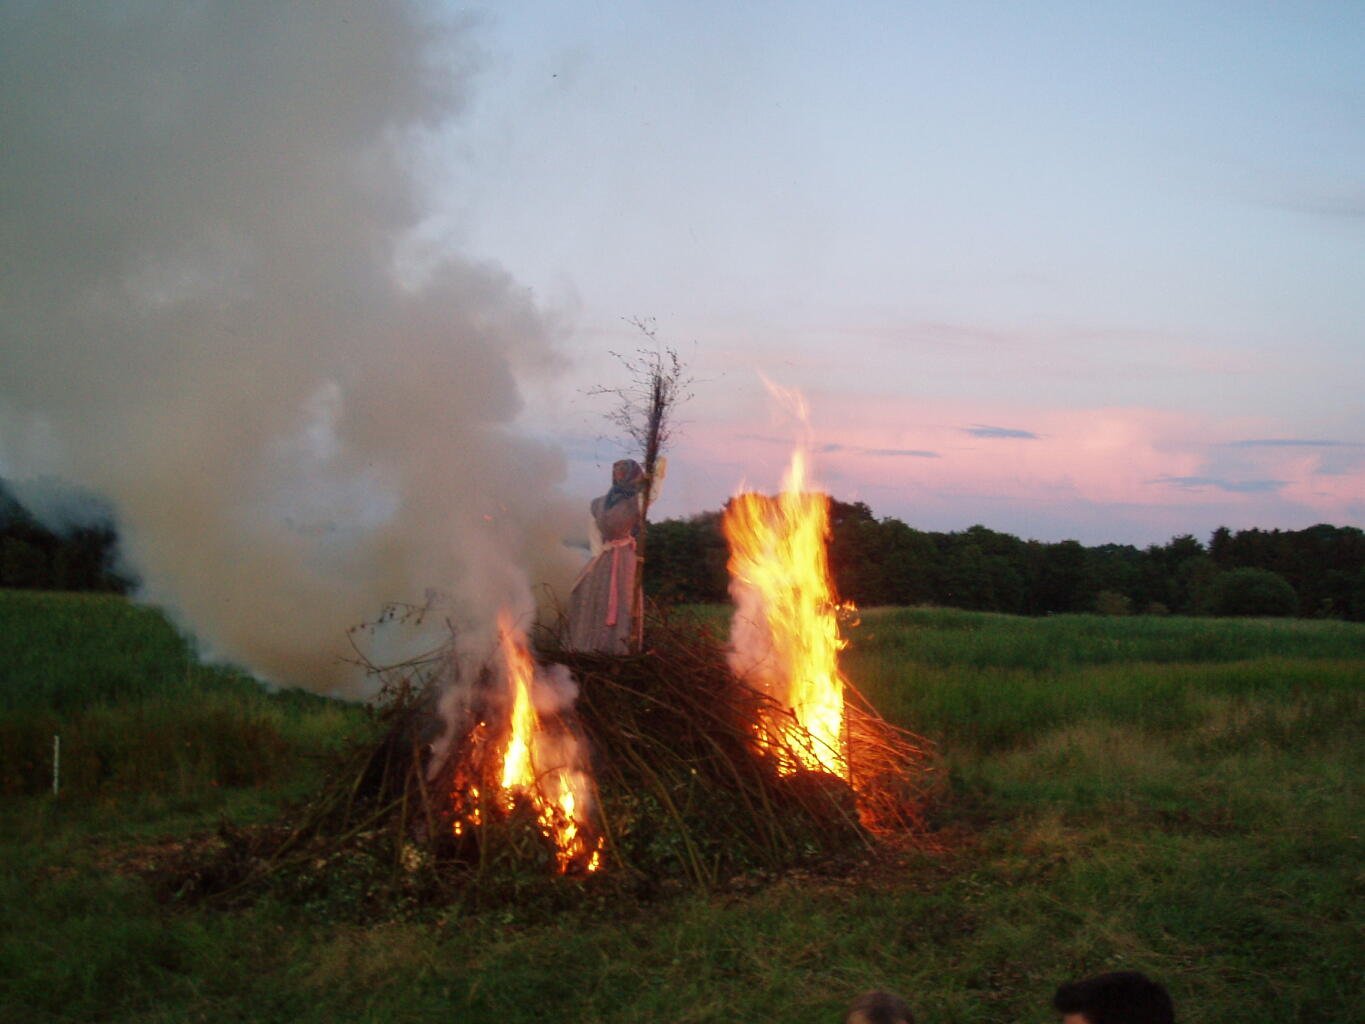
(881, 1008)
(1122, 997)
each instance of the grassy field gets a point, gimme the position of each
(136, 711)
(1180, 796)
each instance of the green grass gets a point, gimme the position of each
(1179, 796)
(135, 710)
(945, 638)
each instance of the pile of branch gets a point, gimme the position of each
(688, 788)
(684, 788)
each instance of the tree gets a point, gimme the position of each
(1062, 577)
(854, 562)
(1357, 597)
(22, 565)
(884, 561)
(911, 562)
(69, 556)
(687, 560)
(1250, 591)
(1221, 547)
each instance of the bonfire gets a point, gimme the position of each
(701, 758)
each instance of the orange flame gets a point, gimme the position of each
(540, 766)
(785, 630)
(517, 774)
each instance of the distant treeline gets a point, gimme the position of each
(77, 556)
(1317, 572)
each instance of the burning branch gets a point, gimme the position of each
(785, 629)
(699, 760)
(682, 791)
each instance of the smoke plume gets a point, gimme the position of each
(201, 319)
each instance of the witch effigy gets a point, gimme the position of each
(603, 605)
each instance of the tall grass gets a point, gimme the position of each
(1183, 797)
(943, 638)
(135, 710)
(984, 682)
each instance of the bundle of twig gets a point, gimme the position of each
(685, 765)
(690, 782)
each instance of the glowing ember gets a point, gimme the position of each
(538, 765)
(785, 631)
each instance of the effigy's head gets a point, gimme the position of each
(626, 473)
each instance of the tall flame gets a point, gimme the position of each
(785, 630)
(541, 766)
(518, 776)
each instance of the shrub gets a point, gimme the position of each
(1248, 591)
(1110, 602)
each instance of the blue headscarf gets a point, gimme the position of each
(626, 477)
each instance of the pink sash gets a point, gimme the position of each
(612, 602)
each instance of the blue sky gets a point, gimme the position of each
(1062, 269)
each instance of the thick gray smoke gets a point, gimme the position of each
(201, 319)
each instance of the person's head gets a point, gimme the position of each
(1122, 997)
(879, 1008)
(626, 473)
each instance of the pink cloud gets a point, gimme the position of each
(936, 453)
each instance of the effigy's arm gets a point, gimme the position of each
(656, 482)
(595, 542)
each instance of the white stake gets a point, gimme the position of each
(56, 764)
